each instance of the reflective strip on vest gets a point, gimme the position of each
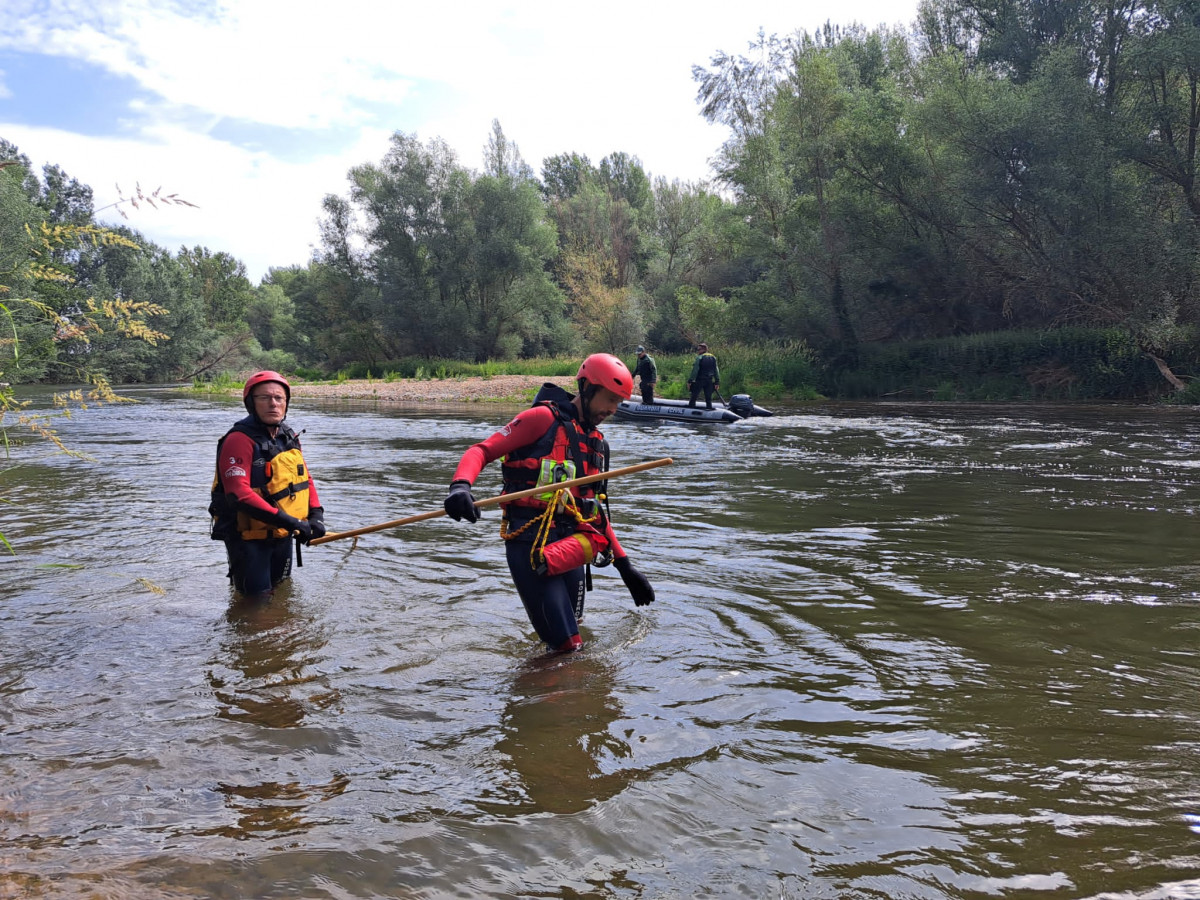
(552, 472)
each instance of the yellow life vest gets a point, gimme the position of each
(282, 480)
(286, 489)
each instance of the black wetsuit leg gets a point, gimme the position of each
(257, 566)
(553, 603)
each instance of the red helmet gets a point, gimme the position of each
(607, 371)
(258, 378)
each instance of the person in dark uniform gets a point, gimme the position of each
(706, 376)
(263, 496)
(550, 538)
(647, 371)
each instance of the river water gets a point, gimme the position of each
(898, 652)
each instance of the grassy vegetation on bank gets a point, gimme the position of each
(767, 373)
(784, 372)
(1059, 365)
(1063, 364)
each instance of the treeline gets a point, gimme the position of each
(83, 300)
(1007, 171)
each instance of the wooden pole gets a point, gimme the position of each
(503, 498)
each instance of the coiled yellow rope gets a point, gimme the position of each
(545, 522)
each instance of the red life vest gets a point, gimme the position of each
(558, 455)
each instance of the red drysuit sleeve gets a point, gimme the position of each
(522, 431)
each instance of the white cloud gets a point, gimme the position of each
(259, 209)
(560, 78)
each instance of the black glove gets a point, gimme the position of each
(639, 587)
(300, 527)
(316, 522)
(460, 504)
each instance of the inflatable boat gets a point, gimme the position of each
(740, 407)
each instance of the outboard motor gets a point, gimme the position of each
(742, 405)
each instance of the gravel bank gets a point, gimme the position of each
(497, 389)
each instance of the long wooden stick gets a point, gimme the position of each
(503, 498)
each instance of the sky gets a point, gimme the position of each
(255, 110)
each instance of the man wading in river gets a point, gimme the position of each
(551, 537)
(263, 495)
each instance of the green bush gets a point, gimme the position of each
(1188, 396)
(218, 384)
(408, 367)
(1052, 365)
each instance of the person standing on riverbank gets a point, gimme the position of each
(263, 496)
(706, 376)
(550, 539)
(647, 371)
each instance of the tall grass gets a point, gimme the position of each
(1063, 364)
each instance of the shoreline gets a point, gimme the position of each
(500, 389)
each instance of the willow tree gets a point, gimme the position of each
(454, 263)
(1158, 106)
(602, 250)
(503, 244)
(788, 107)
(1079, 157)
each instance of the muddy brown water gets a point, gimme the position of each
(899, 651)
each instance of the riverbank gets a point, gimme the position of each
(481, 389)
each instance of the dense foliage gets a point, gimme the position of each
(1015, 175)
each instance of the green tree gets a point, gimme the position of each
(703, 318)
(304, 286)
(65, 199)
(502, 158)
(1076, 125)
(454, 263)
(566, 174)
(31, 272)
(404, 201)
(677, 223)
(785, 163)
(507, 294)
(271, 317)
(695, 240)
(625, 179)
(220, 281)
